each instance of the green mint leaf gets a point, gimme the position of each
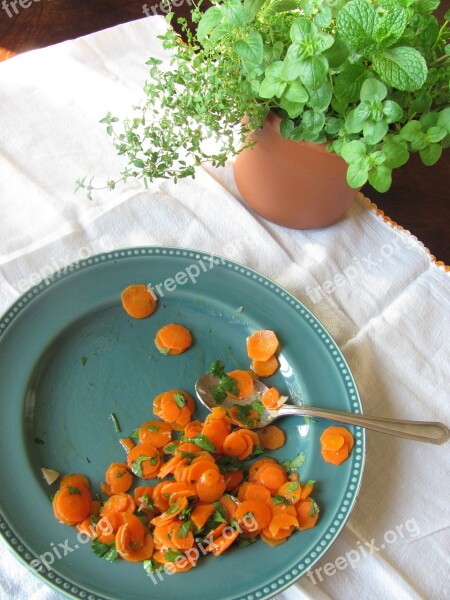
(209, 21)
(357, 174)
(250, 49)
(180, 400)
(392, 111)
(348, 84)
(391, 26)
(136, 466)
(353, 151)
(374, 131)
(402, 67)
(233, 12)
(252, 8)
(372, 89)
(380, 177)
(443, 119)
(395, 152)
(296, 92)
(313, 71)
(356, 22)
(431, 154)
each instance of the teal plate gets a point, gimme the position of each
(70, 356)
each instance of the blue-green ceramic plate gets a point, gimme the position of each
(70, 356)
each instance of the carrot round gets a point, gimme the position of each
(118, 503)
(192, 429)
(271, 437)
(233, 479)
(272, 476)
(343, 431)
(72, 504)
(74, 480)
(173, 339)
(244, 383)
(257, 465)
(210, 486)
(133, 541)
(221, 543)
(307, 514)
(261, 345)
(291, 490)
(138, 301)
(265, 368)
(144, 460)
(118, 478)
(256, 511)
(234, 444)
(155, 432)
(270, 398)
(217, 430)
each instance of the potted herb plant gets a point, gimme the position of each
(359, 84)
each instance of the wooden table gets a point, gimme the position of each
(419, 197)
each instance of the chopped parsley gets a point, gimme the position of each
(106, 551)
(137, 464)
(180, 400)
(217, 393)
(153, 428)
(184, 529)
(135, 434)
(171, 555)
(170, 448)
(203, 442)
(293, 486)
(113, 418)
(152, 566)
(244, 542)
(292, 465)
(258, 406)
(83, 360)
(164, 351)
(313, 509)
(278, 499)
(226, 384)
(74, 490)
(228, 464)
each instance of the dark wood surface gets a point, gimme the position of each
(419, 197)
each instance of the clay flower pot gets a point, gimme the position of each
(295, 184)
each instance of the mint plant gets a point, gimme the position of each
(370, 78)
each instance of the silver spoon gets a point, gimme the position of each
(421, 431)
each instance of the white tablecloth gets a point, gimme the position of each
(373, 286)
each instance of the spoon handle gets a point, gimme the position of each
(421, 431)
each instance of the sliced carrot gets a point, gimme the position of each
(261, 345)
(118, 478)
(307, 514)
(253, 514)
(127, 444)
(87, 527)
(216, 430)
(270, 398)
(281, 522)
(74, 480)
(183, 563)
(271, 437)
(118, 503)
(254, 491)
(142, 495)
(265, 368)
(210, 486)
(171, 466)
(72, 504)
(107, 527)
(244, 383)
(291, 490)
(156, 433)
(144, 460)
(173, 339)
(272, 476)
(256, 466)
(332, 442)
(201, 514)
(220, 544)
(171, 513)
(251, 416)
(233, 479)
(336, 457)
(138, 301)
(341, 431)
(179, 541)
(229, 505)
(192, 429)
(133, 541)
(234, 444)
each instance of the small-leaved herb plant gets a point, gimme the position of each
(368, 77)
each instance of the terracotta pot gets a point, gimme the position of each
(295, 184)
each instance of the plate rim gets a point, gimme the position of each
(293, 573)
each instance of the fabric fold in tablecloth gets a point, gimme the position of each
(373, 287)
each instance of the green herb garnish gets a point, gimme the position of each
(203, 442)
(137, 464)
(113, 418)
(106, 551)
(180, 400)
(83, 360)
(171, 555)
(184, 529)
(292, 465)
(244, 542)
(277, 499)
(152, 566)
(74, 490)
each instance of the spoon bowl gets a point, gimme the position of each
(421, 431)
